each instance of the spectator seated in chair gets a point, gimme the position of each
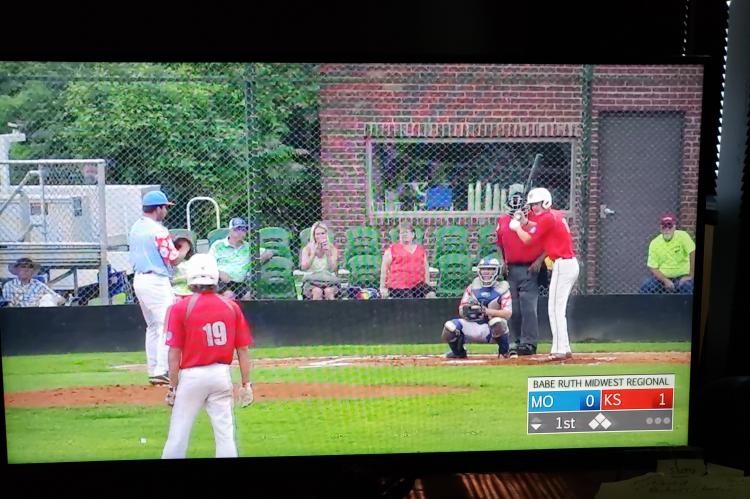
(179, 278)
(318, 259)
(233, 257)
(25, 291)
(671, 260)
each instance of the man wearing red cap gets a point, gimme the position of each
(671, 260)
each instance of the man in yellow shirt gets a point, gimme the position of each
(671, 260)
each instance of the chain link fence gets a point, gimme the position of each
(363, 146)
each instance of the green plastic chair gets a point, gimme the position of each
(217, 234)
(454, 274)
(277, 280)
(273, 286)
(274, 236)
(277, 239)
(487, 242)
(364, 271)
(418, 235)
(361, 241)
(451, 239)
(118, 299)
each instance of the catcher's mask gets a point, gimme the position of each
(488, 270)
(517, 202)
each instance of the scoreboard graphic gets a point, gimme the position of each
(591, 404)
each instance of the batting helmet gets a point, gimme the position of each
(540, 195)
(202, 269)
(491, 268)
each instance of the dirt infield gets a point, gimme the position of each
(151, 395)
(473, 360)
(148, 395)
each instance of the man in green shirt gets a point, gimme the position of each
(232, 256)
(671, 260)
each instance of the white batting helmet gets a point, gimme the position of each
(540, 195)
(202, 269)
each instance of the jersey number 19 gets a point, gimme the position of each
(216, 333)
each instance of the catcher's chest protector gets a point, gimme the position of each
(487, 294)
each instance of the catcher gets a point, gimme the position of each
(483, 313)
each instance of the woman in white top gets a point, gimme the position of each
(318, 260)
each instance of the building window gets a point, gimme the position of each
(467, 176)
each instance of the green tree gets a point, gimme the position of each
(183, 126)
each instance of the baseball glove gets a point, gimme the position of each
(246, 395)
(473, 311)
(169, 399)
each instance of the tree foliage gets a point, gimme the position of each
(186, 127)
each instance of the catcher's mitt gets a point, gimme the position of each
(473, 311)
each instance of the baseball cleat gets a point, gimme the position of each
(527, 349)
(559, 356)
(453, 355)
(161, 379)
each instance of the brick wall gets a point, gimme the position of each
(647, 89)
(362, 101)
(358, 102)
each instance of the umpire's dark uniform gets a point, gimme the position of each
(524, 287)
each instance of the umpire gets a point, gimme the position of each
(522, 267)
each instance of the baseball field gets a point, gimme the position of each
(324, 400)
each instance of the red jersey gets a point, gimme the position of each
(514, 250)
(407, 269)
(208, 328)
(553, 232)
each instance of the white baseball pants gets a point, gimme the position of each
(155, 295)
(198, 387)
(564, 276)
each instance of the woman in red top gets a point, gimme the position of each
(551, 228)
(404, 272)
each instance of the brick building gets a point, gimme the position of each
(621, 147)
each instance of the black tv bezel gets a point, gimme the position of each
(486, 461)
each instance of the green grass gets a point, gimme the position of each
(489, 414)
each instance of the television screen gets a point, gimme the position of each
(431, 258)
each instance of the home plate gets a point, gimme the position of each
(327, 363)
(464, 361)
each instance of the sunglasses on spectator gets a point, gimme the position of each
(25, 266)
(667, 226)
(241, 229)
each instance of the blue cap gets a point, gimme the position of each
(155, 198)
(238, 223)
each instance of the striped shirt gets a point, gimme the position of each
(26, 295)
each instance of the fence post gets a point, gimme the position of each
(103, 241)
(251, 150)
(587, 76)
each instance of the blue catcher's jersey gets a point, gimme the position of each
(496, 297)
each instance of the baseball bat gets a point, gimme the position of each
(534, 166)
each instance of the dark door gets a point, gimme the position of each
(640, 159)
